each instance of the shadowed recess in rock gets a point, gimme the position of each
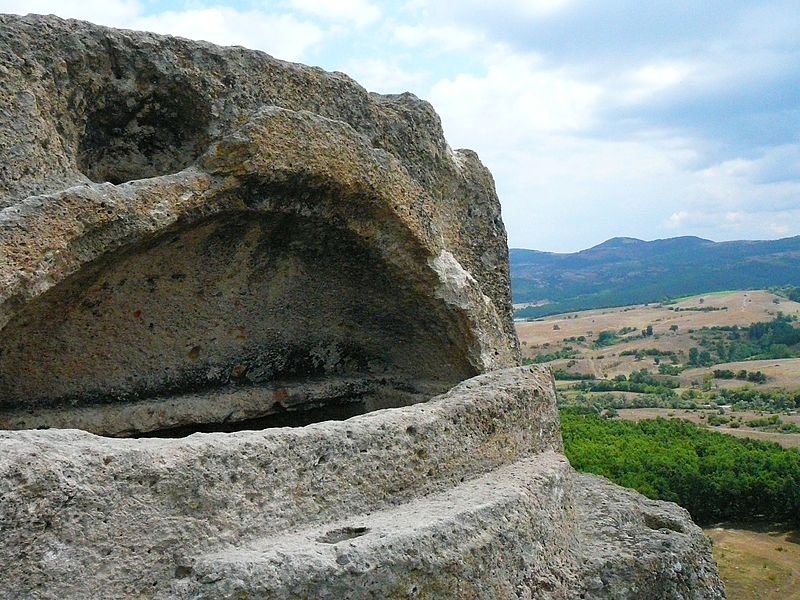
(228, 319)
(155, 127)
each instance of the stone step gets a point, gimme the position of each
(506, 534)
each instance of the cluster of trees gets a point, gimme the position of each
(774, 423)
(700, 358)
(665, 369)
(565, 352)
(791, 292)
(765, 423)
(746, 398)
(639, 353)
(609, 337)
(648, 352)
(641, 381)
(741, 374)
(599, 402)
(778, 338)
(738, 399)
(563, 375)
(714, 476)
(606, 338)
(718, 419)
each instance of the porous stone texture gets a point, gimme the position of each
(195, 239)
(634, 547)
(465, 496)
(184, 220)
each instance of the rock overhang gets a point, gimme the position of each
(288, 245)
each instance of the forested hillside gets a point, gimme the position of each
(624, 271)
(714, 476)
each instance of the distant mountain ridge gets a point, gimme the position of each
(625, 270)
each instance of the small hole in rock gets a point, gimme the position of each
(181, 572)
(340, 535)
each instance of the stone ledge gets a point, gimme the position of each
(100, 505)
(632, 547)
(503, 535)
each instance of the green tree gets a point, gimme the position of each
(694, 356)
(704, 359)
(715, 476)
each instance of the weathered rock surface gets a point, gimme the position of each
(195, 238)
(465, 496)
(209, 220)
(634, 547)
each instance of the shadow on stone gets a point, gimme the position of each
(154, 127)
(340, 535)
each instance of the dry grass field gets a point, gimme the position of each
(787, 440)
(755, 563)
(783, 373)
(758, 564)
(673, 327)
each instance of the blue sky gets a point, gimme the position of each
(597, 119)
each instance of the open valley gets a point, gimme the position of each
(674, 330)
(718, 361)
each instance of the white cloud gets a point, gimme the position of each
(646, 81)
(526, 8)
(358, 12)
(516, 96)
(750, 185)
(565, 193)
(677, 219)
(734, 225)
(281, 35)
(776, 164)
(533, 126)
(383, 76)
(539, 8)
(104, 12)
(780, 229)
(560, 165)
(445, 38)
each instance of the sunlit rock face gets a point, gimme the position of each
(220, 236)
(200, 239)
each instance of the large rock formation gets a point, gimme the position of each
(197, 238)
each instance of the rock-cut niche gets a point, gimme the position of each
(242, 315)
(151, 126)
